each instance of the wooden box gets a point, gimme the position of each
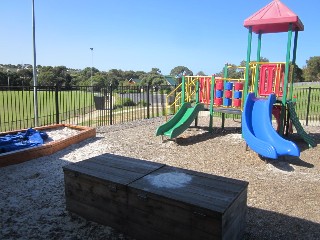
(96, 188)
(173, 203)
(153, 201)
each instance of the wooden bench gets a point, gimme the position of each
(149, 200)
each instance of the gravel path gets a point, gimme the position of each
(283, 195)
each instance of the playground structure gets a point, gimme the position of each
(266, 88)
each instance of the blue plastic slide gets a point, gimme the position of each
(258, 131)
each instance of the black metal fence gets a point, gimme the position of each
(80, 105)
(308, 105)
(106, 106)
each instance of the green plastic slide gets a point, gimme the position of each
(295, 120)
(180, 121)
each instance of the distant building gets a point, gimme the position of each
(171, 80)
(134, 81)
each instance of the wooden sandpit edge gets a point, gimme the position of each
(46, 149)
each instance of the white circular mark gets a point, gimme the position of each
(170, 180)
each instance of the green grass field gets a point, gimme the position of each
(304, 98)
(17, 107)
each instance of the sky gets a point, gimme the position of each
(137, 35)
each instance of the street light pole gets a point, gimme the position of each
(91, 65)
(8, 70)
(35, 81)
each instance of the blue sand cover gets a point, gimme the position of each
(22, 140)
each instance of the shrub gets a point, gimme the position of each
(142, 103)
(128, 102)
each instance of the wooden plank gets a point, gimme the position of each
(106, 173)
(157, 205)
(216, 196)
(94, 193)
(167, 209)
(130, 164)
(114, 168)
(92, 213)
(234, 219)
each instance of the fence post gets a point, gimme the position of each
(110, 104)
(57, 104)
(148, 101)
(308, 106)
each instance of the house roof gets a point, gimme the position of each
(273, 18)
(134, 80)
(171, 80)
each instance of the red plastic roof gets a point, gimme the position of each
(273, 18)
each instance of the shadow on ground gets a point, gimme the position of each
(286, 163)
(205, 135)
(266, 223)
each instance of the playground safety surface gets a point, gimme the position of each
(283, 195)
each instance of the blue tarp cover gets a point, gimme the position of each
(21, 140)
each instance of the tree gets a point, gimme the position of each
(179, 71)
(298, 74)
(56, 76)
(3, 78)
(154, 77)
(100, 80)
(25, 77)
(233, 72)
(114, 77)
(201, 73)
(311, 72)
(83, 77)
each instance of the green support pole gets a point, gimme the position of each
(286, 77)
(246, 85)
(258, 65)
(294, 57)
(225, 70)
(211, 103)
(183, 90)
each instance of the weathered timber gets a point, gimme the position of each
(149, 200)
(97, 188)
(209, 206)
